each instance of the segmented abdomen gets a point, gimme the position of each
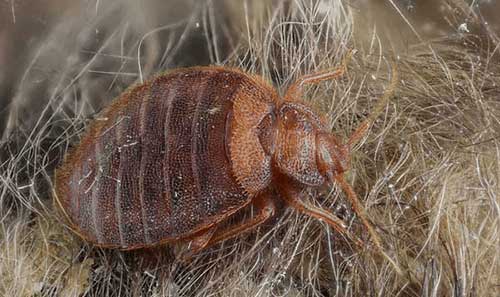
(154, 166)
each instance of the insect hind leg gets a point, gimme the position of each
(266, 208)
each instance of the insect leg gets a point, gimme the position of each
(199, 242)
(295, 90)
(292, 197)
(377, 110)
(265, 209)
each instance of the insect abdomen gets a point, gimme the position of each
(153, 166)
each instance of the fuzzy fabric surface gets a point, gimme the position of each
(427, 172)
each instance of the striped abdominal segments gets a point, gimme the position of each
(171, 159)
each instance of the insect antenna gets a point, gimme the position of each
(360, 211)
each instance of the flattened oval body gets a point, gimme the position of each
(155, 165)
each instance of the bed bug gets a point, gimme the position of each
(173, 158)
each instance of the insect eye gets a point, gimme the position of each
(291, 118)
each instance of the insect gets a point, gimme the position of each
(173, 158)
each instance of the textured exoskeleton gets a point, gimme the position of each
(174, 157)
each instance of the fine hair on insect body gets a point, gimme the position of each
(177, 156)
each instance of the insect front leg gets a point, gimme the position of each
(293, 197)
(295, 90)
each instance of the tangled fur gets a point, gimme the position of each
(428, 171)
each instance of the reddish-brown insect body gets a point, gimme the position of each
(174, 157)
